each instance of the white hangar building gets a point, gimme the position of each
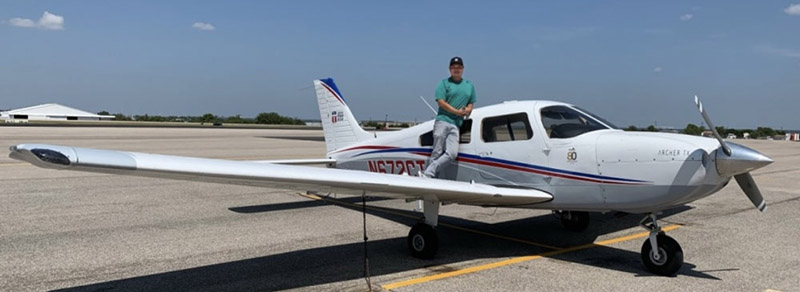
(50, 112)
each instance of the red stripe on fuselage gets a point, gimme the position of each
(502, 165)
(536, 171)
(371, 147)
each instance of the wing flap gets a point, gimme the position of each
(272, 175)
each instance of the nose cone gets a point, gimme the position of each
(741, 160)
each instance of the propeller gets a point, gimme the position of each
(736, 160)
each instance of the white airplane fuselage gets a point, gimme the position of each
(601, 170)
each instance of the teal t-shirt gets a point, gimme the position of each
(458, 95)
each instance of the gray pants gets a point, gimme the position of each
(445, 147)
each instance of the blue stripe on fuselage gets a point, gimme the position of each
(508, 162)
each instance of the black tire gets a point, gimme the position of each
(423, 241)
(671, 256)
(575, 221)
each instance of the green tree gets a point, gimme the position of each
(761, 132)
(208, 118)
(103, 113)
(652, 128)
(237, 119)
(631, 128)
(692, 129)
(121, 117)
(276, 119)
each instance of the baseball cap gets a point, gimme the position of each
(457, 60)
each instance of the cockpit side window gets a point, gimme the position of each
(561, 122)
(512, 127)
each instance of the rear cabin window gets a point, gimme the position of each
(512, 127)
(465, 135)
(561, 122)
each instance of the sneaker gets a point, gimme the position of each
(422, 174)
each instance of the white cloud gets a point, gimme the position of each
(687, 17)
(48, 21)
(51, 21)
(657, 69)
(793, 9)
(21, 22)
(779, 51)
(203, 26)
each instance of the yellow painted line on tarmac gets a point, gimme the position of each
(315, 197)
(512, 261)
(310, 196)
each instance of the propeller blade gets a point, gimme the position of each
(748, 185)
(725, 147)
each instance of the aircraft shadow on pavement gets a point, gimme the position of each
(317, 266)
(299, 138)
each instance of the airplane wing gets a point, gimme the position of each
(273, 175)
(326, 161)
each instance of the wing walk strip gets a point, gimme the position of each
(511, 261)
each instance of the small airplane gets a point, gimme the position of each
(518, 154)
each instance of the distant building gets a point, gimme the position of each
(50, 112)
(793, 136)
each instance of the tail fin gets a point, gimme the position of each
(338, 124)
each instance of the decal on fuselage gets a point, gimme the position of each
(673, 152)
(396, 166)
(572, 156)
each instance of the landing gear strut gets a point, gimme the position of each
(423, 242)
(574, 220)
(661, 254)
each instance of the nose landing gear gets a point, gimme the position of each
(661, 254)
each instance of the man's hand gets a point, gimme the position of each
(462, 112)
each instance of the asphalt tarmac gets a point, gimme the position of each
(74, 231)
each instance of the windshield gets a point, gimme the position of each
(596, 117)
(561, 122)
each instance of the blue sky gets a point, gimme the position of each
(633, 62)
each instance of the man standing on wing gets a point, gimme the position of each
(455, 96)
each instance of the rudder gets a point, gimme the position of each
(338, 123)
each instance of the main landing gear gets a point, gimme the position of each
(573, 220)
(422, 239)
(661, 254)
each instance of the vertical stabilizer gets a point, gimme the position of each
(340, 127)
